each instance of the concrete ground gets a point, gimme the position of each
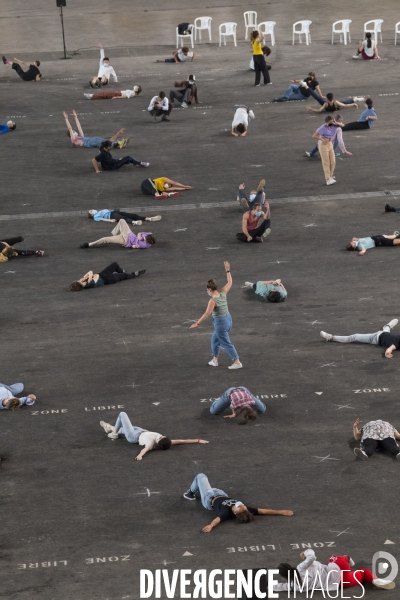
(80, 516)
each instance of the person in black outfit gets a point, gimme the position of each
(109, 163)
(32, 74)
(111, 274)
(301, 89)
(115, 215)
(225, 507)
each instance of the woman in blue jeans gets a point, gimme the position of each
(218, 307)
(242, 403)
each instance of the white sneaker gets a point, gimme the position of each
(351, 562)
(278, 280)
(330, 181)
(392, 323)
(361, 454)
(184, 105)
(266, 232)
(357, 56)
(327, 336)
(384, 583)
(113, 435)
(156, 218)
(136, 222)
(88, 96)
(248, 284)
(358, 98)
(213, 363)
(107, 427)
(235, 366)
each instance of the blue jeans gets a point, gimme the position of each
(15, 388)
(223, 402)
(125, 427)
(95, 142)
(293, 92)
(120, 162)
(207, 493)
(220, 337)
(315, 150)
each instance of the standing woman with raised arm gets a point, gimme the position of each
(218, 307)
(260, 65)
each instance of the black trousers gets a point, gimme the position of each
(254, 232)
(129, 217)
(260, 66)
(113, 274)
(380, 240)
(159, 112)
(356, 125)
(388, 444)
(148, 188)
(10, 242)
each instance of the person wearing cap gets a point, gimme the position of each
(6, 128)
(181, 55)
(187, 92)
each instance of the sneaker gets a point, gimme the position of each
(351, 561)
(173, 194)
(184, 105)
(156, 218)
(213, 363)
(257, 239)
(137, 222)
(107, 427)
(235, 366)
(327, 336)
(141, 272)
(88, 96)
(331, 181)
(126, 142)
(3, 58)
(309, 154)
(248, 284)
(257, 85)
(244, 204)
(398, 455)
(85, 245)
(389, 208)
(113, 435)
(260, 185)
(361, 454)
(189, 495)
(144, 165)
(359, 98)
(164, 118)
(396, 233)
(392, 323)
(282, 99)
(266, 232)
(337, 153)
(40, 252)
(384, 583)
(357, 56)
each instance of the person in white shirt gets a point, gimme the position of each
(367, 49)
(115, 94)
(240, 121)
(136, 435)
(160, 106)
(105, 71)
(181, 55)
(8, 400)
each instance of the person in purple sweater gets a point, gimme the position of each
(122, 235)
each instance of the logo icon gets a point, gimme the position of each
(385, 566)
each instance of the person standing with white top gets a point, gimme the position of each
(136, 435)
(240, 121)
(105, 71)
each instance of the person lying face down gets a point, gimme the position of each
(242, 403)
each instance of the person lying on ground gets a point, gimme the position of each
(257, 195)
(376, 435)
(8, 397)
(79, 139)
(330, 105)
(181, 55)
(273, 290)
(240, 123)
(162, 187)
(114, 215)
(108, 163)
(111, 274)
(115, 94)
(9, 127)
(375, 241)
(32, 74)
(123, 236)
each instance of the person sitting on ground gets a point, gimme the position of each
(331, 105)
(273, 291)
(301, 89)
(105, 71)
(312, 575)
(383, 337)
(123, 236)
(252, 231)
(32, 74)
(376, 435)
(79, 139)
(162, 187)
(366, 120)
(367, 49)
(115, 94)
(187, 94)
(242, 403)
(181, 55)
(266, 52)
(389, 208)
(375, 241)
(114, 215)
(240, 123)
(337, 139)
(111, 274)
(8, 399)
(9, 127)
(108, 163)
(136, 435)
(225, 507)
(257, 195)
(160, 107)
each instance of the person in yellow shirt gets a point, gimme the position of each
(260, 65)
(162, 187)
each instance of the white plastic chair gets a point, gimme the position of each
(201, 24)
(343, 29)
(250, 21)
(267, 28)
(188, 35)
(396, 31)
(376, 28)
(227, 29)
(304, 29)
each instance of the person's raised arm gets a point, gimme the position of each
(212, 525)
(269, 511)
(210, 307)
(197, 441)
(228, 285)
(68, 124)
(145, 450)
(78, 125)
(102, 55)
(114, 137)
(267, 213)
(94, 163)
(317, 110)
(356, 432)
(389, 351)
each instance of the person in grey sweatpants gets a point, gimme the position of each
(383, 337)
(256, 196)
